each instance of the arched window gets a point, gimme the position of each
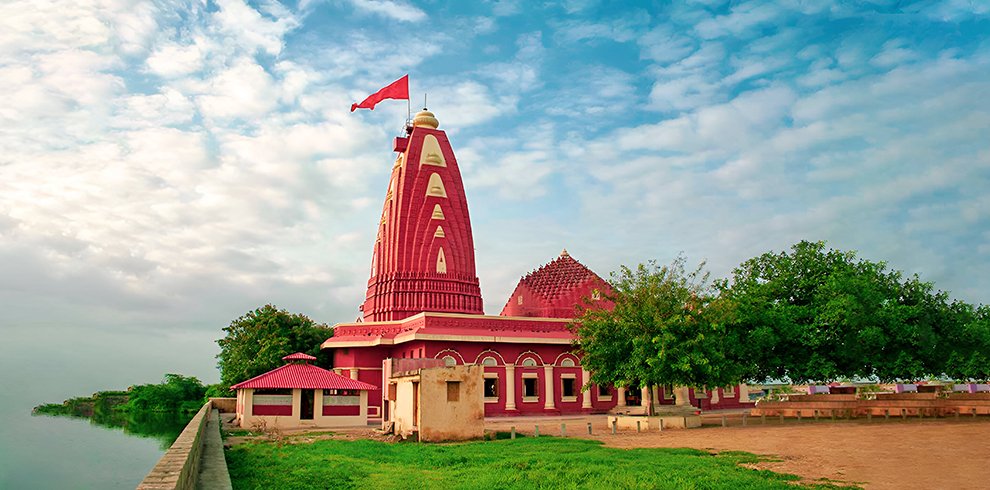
(441, 262)
(435, 187)
(449, 361)
(529, 362)
(567, 362)
(489, 361)
(432, 154)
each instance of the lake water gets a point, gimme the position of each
(47, 452)
(42, 363)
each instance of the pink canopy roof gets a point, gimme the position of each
(304, 376)
(298, 356)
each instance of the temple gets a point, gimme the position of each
(423, 301)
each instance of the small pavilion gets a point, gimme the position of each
(301, 395)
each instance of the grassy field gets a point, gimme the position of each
(524, 463)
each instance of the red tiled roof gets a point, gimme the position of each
(299, 356)
(305, 376)
(559, 276)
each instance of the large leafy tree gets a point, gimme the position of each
(176, 392)
(818, 314)
(658, 325)
(967, 345)
(256, 342)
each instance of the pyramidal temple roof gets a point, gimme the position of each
(557, 277)
(304, 376)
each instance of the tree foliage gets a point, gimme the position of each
(256, 342)
(658, 325)
(818, 314)
(175, 392)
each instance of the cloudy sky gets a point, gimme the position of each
(167, 166)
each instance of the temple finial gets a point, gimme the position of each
(425, 119)
(564, 253)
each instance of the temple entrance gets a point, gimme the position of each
(633, 396)
(306, 405)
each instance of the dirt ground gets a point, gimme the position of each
(877, 454)
(894, 454)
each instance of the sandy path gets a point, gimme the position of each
(943, 453)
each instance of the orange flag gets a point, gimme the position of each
(398, 89)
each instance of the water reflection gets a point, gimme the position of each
(163, 426)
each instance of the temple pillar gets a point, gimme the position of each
(681, 395)
(548, 383)
(354, 373)
(621, 393)
(510, 386)
(586, 391)
(743, 392)
(714, 398)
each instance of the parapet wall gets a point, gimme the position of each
(179, 467)
(893, 404)
(225, 405)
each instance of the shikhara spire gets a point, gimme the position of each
(423, 257)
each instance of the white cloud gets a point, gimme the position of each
(250, 30)
(624, 28)
(742, 18)
(400, 11)
(245, 90)
(172, 60)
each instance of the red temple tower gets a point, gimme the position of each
(423, 302)
(423, 256)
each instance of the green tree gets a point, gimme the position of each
(176, 392)
(968, 344)
(657, 326)
(256, 342)
(818, 314)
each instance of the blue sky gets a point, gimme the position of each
(167, 166)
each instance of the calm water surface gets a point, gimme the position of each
(47, 452)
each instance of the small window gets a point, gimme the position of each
(489, 361)
(596, 295)
(491, 387)
(567, 387)
(529, 387)
(529, 362)
(453, 391)
(603, 391)
(567, 362)
(519, 300)
(449, 361)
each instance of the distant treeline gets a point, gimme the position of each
(176, 393)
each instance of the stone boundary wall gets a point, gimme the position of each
(883, 404)
(225, 405)
(179, 467)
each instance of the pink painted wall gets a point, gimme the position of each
(271, 410)
(341, 410)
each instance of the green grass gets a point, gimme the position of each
(544, 462)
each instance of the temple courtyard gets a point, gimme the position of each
(876, 454)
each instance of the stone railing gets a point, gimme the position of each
(179, 467)
(885, 404)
